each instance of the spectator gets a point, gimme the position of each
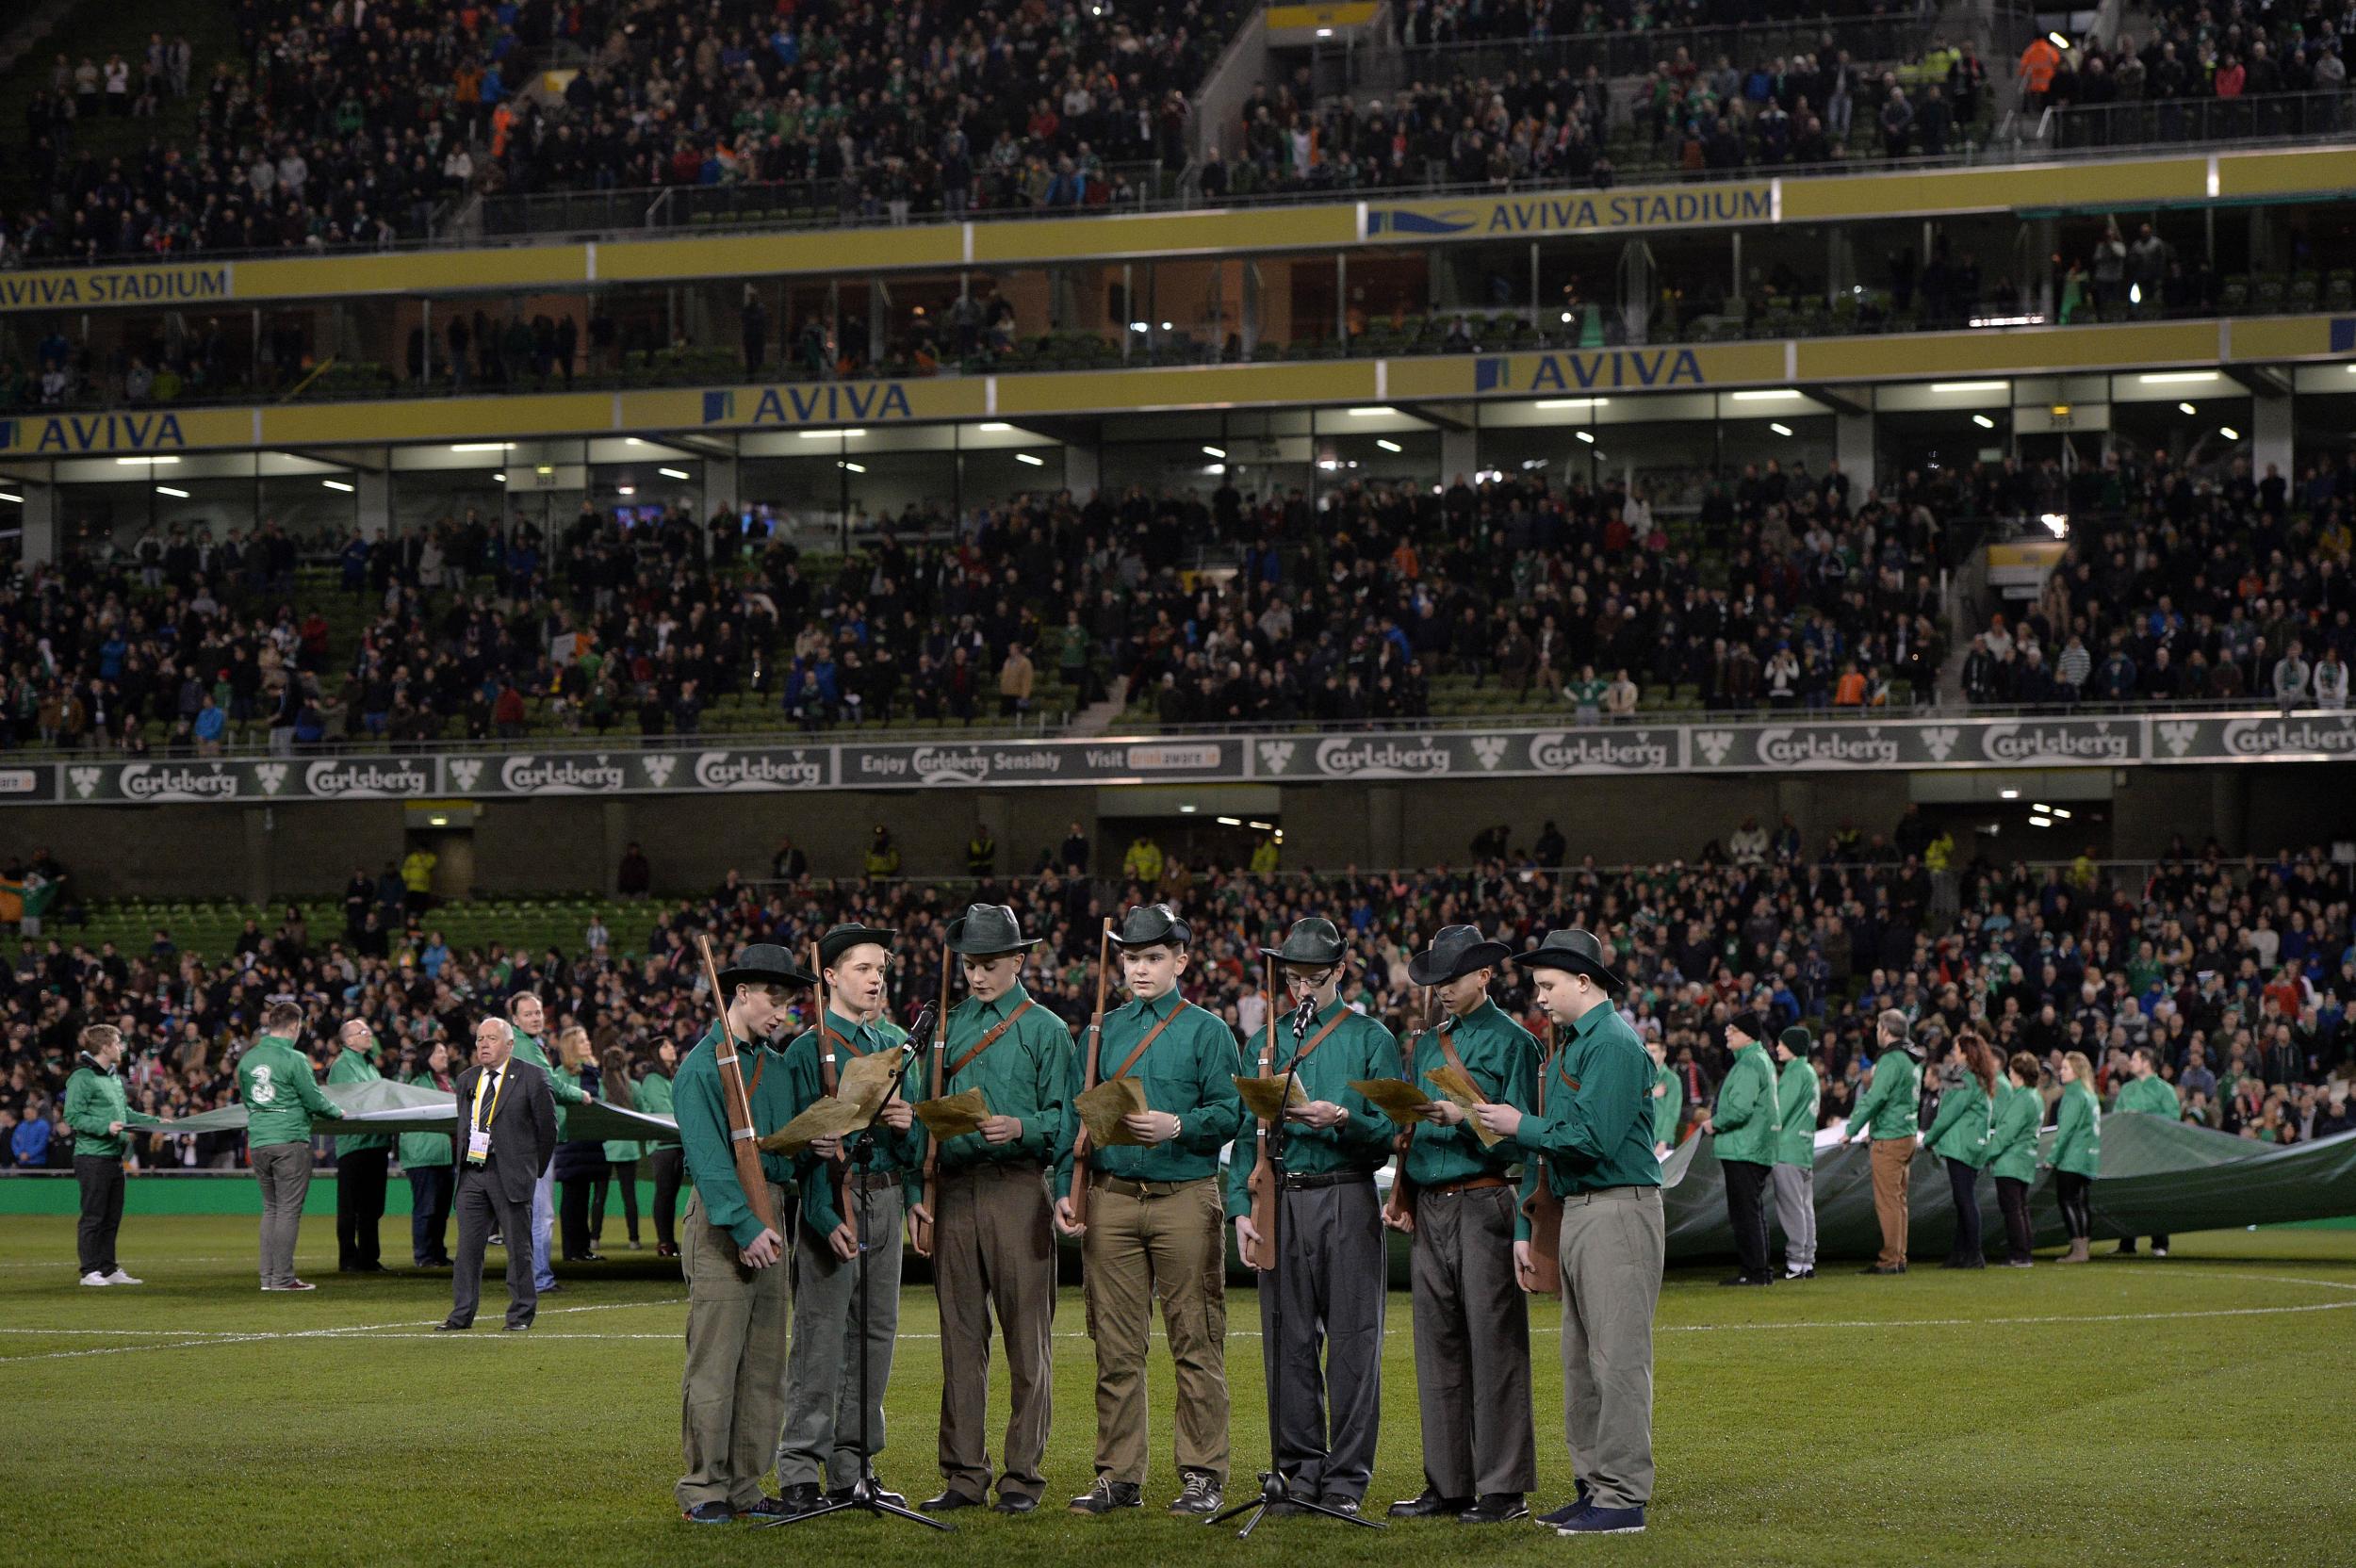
(634, 876)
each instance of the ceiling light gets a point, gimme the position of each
(994, 427)
(1325, 32)
(168, 490)
(2229, 432)
(337, 484)
(1390, 446)
(2186, 408)
(12, 500)
(1781, 429)
(2009, 794)
(632, 441)
(674, 473)
(1372, 412)
(2040, 822)
(1572, 402)
(830, 435)
(2177, 377)
(628, 489)
(128, 461)
(1186, 810)
(2039, 806)
(1264, 826)
(1034, 462)
(1765, 397)
(1231, 821)
(1167, 327)
(490, 447)
(1588, 437)
(1983, 421)
(1213, 451)
(2062, 814)
(500, 477)
(2059, 42)
(1969, 386)
(853, 467)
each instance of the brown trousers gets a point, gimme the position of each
(1891, 1156)
(995, 1246)
(1167, 1240)
(732, 1389)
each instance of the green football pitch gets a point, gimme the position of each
(2194, 1410)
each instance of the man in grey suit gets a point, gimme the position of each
(506, 1136)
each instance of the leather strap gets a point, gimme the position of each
(1151, 1036)
(1314, 1041)
(1470, 1183)
(1448, 1049)
(987, 1041)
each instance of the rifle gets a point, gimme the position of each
(1544, 1275)
(1399, 1210)
(829, 1082)
(1087, 1081)
(1263, 1183)
(921, 1227)
(735, 1104)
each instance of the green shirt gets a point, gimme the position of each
(1504, 1061)
(2012, 1147)
(888, 1151)
(1799, 1097)
(1359, 1048)
(562, 1086)
(2077, 1132)
(1026, 1074)
(281, 1095)
(703, 1128)
(94, 1101)
(356, 1066)
(1744, 1125)
(2152, 1096)
(1892, 1100)
(1668, 1104)
(1597, 1129)
(1189, 1072)
(424, 1148)
(1965, 1121)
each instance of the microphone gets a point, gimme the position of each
(1305, 1016)
(921, 1032)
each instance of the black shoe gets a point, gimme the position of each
(1340, 1504)
(948, 1502)
(551, 1290)
(516, 1328)
(369, 1268)
(451, 1328)
(1108, 1494)
(1014, 1503)
(769, 1508)
(798, 1498)
(843, 1495)
(1494, 1508)
(1884, 1268)
(1748, 1280)
(709, 1513)
(1564, 1515)
(1203, 1496)
(1429, 1505)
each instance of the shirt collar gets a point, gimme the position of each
(1161, 1006)
(858, 1035)
(1013, 997)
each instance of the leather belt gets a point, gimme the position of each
(1146, 1191)
(1325, 1179)
(1470, 1183)
(1026, 1168)
(876, 1181)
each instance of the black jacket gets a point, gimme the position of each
(523, 1129)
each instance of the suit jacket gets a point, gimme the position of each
(523, 1129)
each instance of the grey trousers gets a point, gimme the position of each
(1612, 1249)
(819, 1442)
(1472, 1345)
(1333, 1280)
(284, 1170)
(481, 1209)
(1796, 1210)
(732, 1387)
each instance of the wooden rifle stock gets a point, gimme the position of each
(1401, 1206)
(1544, 1277)
(921, 1228)
(1088, 1079)
(830, 1081)
(736, 1106)
(1262, 1185)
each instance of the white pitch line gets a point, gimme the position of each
(346, 1332)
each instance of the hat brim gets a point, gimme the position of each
(1557, 958)
(731, 979)
(954, 941)
(1424, 971)
(842, 942)
(1340, 951)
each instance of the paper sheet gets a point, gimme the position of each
(859, 1094)
(1395, 1097)
(954, 1115)
(1102, 1108)
(1463, 1091)
(1265, 1098)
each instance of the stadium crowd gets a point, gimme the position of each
(2240, 973)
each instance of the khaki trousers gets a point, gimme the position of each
(1472, 1345)
(1611, 1253)
(1891, 1156)
(732, 1392)
(1169, 1240)
(994, 1247)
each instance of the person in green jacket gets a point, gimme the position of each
(1745, 1128)
(425, 1160)
(1799, 1097)
(1667, 1097)
(1886, 1112)
(2012, 1154)
(621, 1155)
(100, 1113)
(2146, 1094)
(281, 1097)
(529, 1017)
(663, 1160)
(1960, 1135)
(363, 1161)
(2077, 1153)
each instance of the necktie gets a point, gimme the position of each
(489, 1100)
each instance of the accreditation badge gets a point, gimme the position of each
(478, 1145)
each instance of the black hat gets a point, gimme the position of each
(1457, 950)
(763, 964)
(1315, 940)
(1577, 950)
(1796, 1040)
(841, 939)
(988, 929)
(1748, 1025)
(1145, 925)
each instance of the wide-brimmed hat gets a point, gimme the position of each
(1577, 950)
(1456, 950)
(988, 929)
(1314, 941)
(1144, 924)
(763, 964)
(841, 939)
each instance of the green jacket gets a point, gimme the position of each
(1359, 1048)
(1597, 1129)
(280, 1094)
(94, 1101)
(1504, 1061)
(356, 1066)
(1026, 1074)
(1799, 1097)
(2012, 1147)
(2152, 1096)
(2077, 1132)
(424, 1148)
(1745, 1125)
(703, 1127)
(1668, 1104)
(1965, 1121)
(806, 1086)
(1189, 1072)
(564, 1087)
(1892, 1100)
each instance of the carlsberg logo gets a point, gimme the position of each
(658, 769)
(85, 781)
(2272, 737)
(721, 770)
(162, 781)
(1831, 748)
(1636, 750)
(363, 779)
(1714, 744)
(1490, 749)
(2177, 735)
(1939, 741)
(271, 776)
(562, 775)
(463, 771)
(1276, 756)
(1382, 759)
(2029, 743)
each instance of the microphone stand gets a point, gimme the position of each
(867, 1492)
(1272, 1493)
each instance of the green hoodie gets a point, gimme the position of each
(1891, 1101)
(2077, 1132)
(1744, 1125)
(95, 1101)
(1964, 1124)
(356, 1066)
(565, 1086)
(424, 1148)
(2012, 1149)
(1668, 1104)
(2152, 1096)
(281, 1095)
(1799, 1097)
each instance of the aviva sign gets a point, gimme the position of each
(1592, 212)
(86, 434)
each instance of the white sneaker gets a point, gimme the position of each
(96, 1278)
(120, 1277)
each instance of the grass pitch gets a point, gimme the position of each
(2189, 1411)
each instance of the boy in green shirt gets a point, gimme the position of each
(2146, 1094)
(281, 1097)
(1745, 1131)
(99, 1112)
(1799, 1097)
